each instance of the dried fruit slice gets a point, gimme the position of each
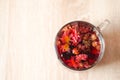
(93, 37)
(98, 47)
(75, 51)
(94, 43)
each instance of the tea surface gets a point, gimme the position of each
(78, 46)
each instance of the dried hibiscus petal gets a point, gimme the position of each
(65, 39)
(64, 48)
(81, 57)
(72, 63)
(75, 38)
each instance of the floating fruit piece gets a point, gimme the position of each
(66, 55)
(74, 36)
(86, 36)
(75, 65)
(72, 63)
(93, 37)
(75, 51)
(81, 65)
(98, 47)
(64, 48)
(86, 65)
(95, 51)
(81, 57)
(64, 36)
(94, 43)
(74, 40)
(87, 43)
(66, 39)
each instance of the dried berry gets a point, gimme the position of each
(66, 55)
(94, 43)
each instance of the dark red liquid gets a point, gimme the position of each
(78, 45)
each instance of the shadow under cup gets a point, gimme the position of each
(79, 45)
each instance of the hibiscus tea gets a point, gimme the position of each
(78, 45)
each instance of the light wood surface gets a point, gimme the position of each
(27, 33)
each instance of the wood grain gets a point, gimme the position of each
(27, 33)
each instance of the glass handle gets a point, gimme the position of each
(103, 24)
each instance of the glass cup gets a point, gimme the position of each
(80, 45)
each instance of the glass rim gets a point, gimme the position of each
(102, 45)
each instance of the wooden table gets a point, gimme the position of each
(27, 34)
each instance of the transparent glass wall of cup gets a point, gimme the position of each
(71, 63)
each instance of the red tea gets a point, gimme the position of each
(78, 46)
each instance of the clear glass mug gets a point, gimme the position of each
(78, 49)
